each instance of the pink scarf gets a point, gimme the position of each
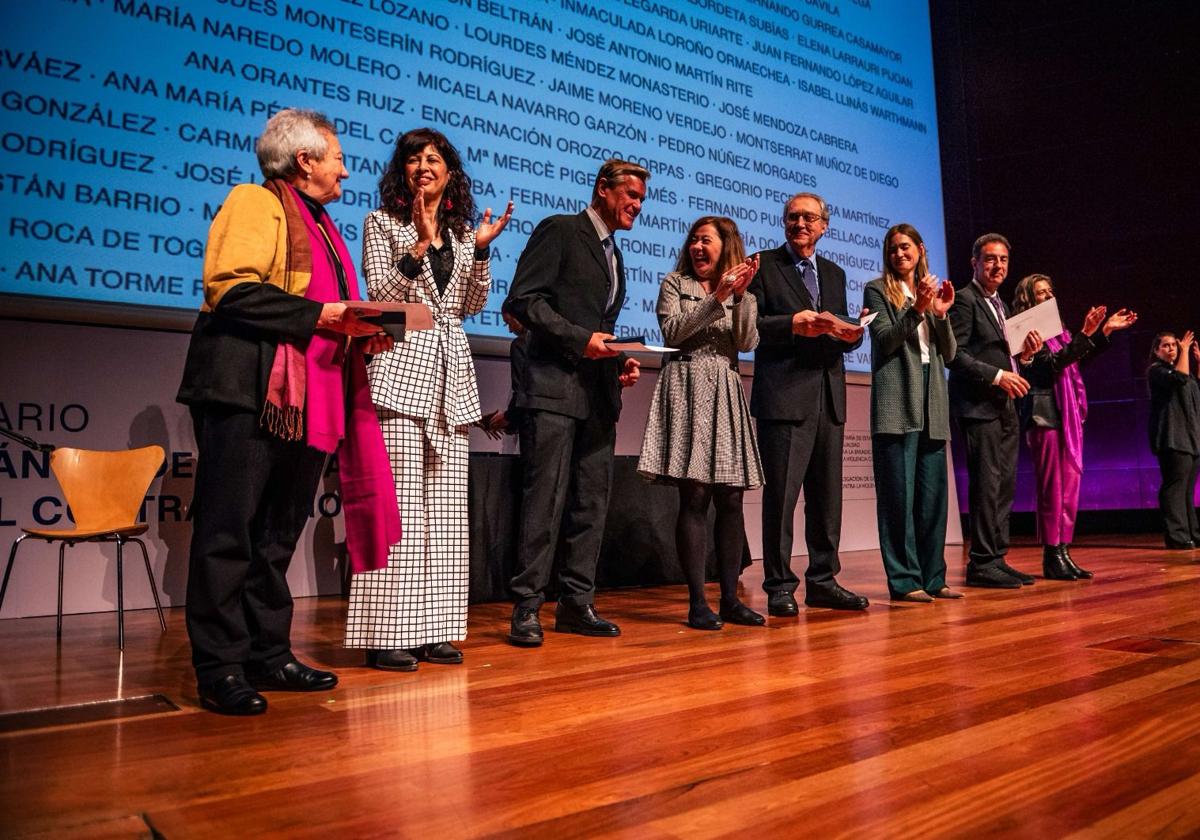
(1072, 402)
(338, 415)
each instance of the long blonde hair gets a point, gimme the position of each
(893, 286)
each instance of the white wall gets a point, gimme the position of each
(110, 388)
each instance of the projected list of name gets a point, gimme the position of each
(120, 148)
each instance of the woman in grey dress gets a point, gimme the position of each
(699, 436)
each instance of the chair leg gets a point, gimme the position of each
(62, 547)
(120, 597)
(153, 585)
(12, 555)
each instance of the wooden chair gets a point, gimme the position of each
(105, 491)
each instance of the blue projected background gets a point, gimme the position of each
(126, 123)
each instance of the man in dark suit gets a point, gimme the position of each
(568, 291)
(799, 403)
(983, 385)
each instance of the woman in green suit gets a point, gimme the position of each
(911, 342)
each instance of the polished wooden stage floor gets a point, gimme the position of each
(1060, 709)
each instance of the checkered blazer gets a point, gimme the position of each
(405, 378)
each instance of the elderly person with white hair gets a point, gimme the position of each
(275, 380)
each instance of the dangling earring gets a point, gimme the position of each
(448, 205)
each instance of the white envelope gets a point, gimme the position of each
(1044, 318)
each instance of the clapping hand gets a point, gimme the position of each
(1120, 320)
(1093, 319)
(489, 230)
(941, 304)
(925, 292)
(426, 226)
(736, 280)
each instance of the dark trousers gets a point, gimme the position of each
(992, 482)
(910, 502)
(567, 468)
(804, 455)
(1177, 494)
(253, 494)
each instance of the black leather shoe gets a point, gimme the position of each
(391, 660)
(990, 577)
(1065, 550)
(703, 618)
(232, 695)
(739, 613)
(1175, 545)
(526, 630)
(582, 620)
(1026, 580)
(782, 605)
(293, 676)
(440, 653)
(834, 597)
(1054, 567)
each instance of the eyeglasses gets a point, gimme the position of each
(810, 218)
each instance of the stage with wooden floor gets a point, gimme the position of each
(1063, 708)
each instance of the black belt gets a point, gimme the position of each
(688, 357)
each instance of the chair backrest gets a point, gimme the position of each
(105, 489)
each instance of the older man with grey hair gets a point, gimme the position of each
(799, 403)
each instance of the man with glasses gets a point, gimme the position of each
(984, 383)
(799, 403)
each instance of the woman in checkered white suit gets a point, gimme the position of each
(419, 248)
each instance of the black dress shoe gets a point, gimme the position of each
(391, 660)
(232, 695)
(739, 613)
(1054, 567)
(293, 676)
(582, 620)
(703, 618)
(440, 653)
(1176, 545)
(526, 629)
(1065, 551)
(1026, 580)
(834, 597)
(782, 605)
(990, 577)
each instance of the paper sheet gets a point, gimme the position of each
(1044, 318)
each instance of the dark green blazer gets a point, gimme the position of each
(899, 401)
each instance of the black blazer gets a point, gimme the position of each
(790, 371)
(559, 292)
(982, 351)
(1174, 409)
(1039, 408)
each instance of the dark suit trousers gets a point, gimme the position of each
(253, 495)
(910, 500)
(992, 481)
(804, 455)
(567, 468)
(1177, 494)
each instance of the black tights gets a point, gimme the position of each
(691, 537)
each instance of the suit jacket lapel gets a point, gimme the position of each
(792, 278)
(587, 232)
(989, 313)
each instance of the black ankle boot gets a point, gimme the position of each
(1054, 567)
(1065, 551)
